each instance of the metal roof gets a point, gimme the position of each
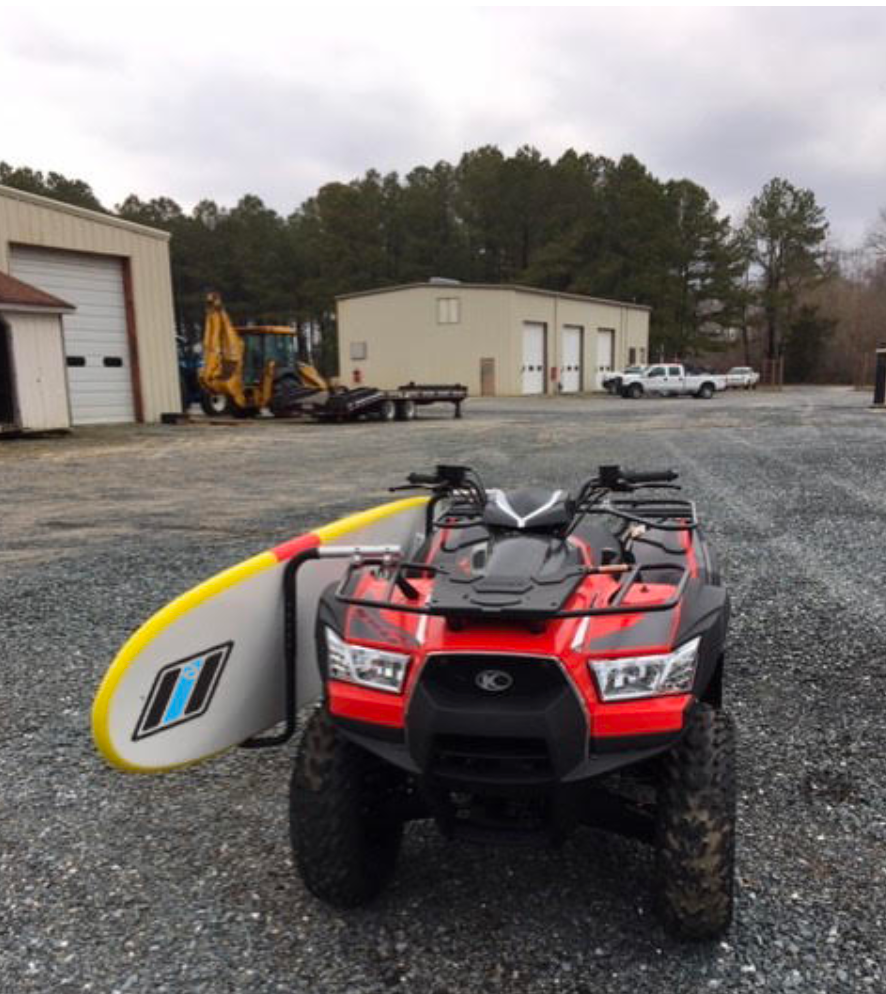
(17, 294)
(82, 212)
(453, 285)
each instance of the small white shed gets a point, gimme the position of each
(33, 374)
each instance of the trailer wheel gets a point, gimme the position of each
(387, 410)
(345, 843)
(406, 410)
(695, 844)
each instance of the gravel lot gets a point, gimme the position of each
(183, 883)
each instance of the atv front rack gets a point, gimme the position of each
(399, 571)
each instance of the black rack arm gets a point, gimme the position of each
(290, 651)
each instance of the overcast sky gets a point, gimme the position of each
(161, 98)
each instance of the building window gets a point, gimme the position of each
(448, 310)
(358, 350)
(632, 356)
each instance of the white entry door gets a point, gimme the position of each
(605, 353)
(533, 370)
(570, 370)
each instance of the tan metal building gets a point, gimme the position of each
(119, 334)
(495, 339)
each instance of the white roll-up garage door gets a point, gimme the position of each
(533, 369)
(605, 353)
(96, 341)
(570, 370)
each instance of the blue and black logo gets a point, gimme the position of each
(182, 691)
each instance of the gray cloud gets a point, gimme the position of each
(728, 97)
(44, 45)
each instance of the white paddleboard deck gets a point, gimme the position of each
(207, 673)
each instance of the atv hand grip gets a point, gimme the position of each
(651, 476)
(422, 479)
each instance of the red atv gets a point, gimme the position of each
(539, 662)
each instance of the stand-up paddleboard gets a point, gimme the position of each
(206, 672)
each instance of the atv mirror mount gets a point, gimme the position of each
(610, 478)
(454, 475)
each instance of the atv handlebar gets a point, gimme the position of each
(616, 478)
(423, 480)
(649, 476)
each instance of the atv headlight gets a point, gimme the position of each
(646, 676)
(364, 666)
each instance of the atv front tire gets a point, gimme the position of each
(344, 842)
(695, 832)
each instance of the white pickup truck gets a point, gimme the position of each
(742, 377)
(672, 380)
(611, 382)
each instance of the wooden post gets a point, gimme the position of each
(880, 377)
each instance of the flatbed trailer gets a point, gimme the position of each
(386, 405)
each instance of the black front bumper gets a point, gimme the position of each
(529, 738)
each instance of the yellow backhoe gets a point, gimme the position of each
(249, 368)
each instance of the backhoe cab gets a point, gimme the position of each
(246, 369)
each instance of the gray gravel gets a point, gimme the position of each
(184, 882)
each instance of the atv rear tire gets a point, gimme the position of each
(695, 832)
(345, 845)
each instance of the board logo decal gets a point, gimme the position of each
(182, 691)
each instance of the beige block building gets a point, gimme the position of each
(495, 339)
(118, 333)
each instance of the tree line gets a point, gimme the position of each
(763, 285)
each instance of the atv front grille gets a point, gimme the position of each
(496, 719)
(493, 760)
(523, 679)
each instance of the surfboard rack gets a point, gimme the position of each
(360, 555)
(290, 648)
